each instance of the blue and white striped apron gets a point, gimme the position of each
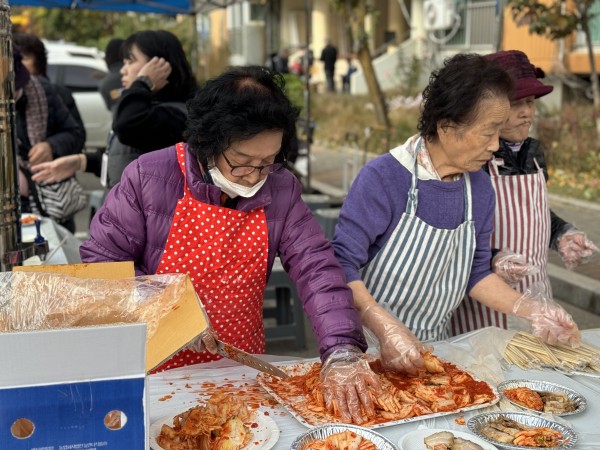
(421, 274)
(522, 224)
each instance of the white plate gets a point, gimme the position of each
(264, 436)
(27, 215)
(414, 439)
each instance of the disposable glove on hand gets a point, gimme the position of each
(575, 248)
(400, 349)
(206, 341)
(549, 321)
(511, 267)
(348, 383)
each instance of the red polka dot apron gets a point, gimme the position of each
(522, 224)
(224, 251)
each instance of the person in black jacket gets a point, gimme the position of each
(151, 113)
(45, 131)
(522, 154)
(35, 59)
(329, 58)
(110, 85)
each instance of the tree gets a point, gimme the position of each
(355, 12)
(101, 26)
(553, 20)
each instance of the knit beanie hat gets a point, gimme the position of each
(21, 72)
(526, 74)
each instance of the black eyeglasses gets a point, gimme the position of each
(240, 171)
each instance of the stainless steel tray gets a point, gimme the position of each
(545, 386)
(529, 420)
(321, 419)
(323, 431)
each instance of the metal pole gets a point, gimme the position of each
(12, 251)
(10, 230)
(308, 12)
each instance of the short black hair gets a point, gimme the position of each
(455, 91)
(113, 52)
(30, 44)
(164, 44)
(237, 105)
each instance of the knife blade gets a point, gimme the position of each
(234, 353)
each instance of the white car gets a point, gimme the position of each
(80, 69)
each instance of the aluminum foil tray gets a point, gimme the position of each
(323, 431)
(313, 420)
(545, 386)
(529, 420)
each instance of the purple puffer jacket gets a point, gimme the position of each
(134, 222)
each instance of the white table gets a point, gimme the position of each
(62, 244)
(479, 352)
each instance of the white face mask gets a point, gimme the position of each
(233, 189)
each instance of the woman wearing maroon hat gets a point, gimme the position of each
(523, 229)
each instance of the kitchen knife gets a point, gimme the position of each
(234, 353)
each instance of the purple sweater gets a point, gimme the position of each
(134, 222)
(378, 198)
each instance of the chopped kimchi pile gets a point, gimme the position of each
(346, 440)
(438, 387)
(217, 425)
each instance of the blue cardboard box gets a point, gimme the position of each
(74, 389)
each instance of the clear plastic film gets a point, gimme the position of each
(36, 300)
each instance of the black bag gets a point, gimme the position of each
(59, 201)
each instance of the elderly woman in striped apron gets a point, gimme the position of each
(524, 226)
(414, 232)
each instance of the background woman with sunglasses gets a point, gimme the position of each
(221, 207)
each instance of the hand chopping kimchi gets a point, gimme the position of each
(438, 387)
(218, 425)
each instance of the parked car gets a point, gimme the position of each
(80, 69)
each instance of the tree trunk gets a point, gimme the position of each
(356, 17)
(593, 73)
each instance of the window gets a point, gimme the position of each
(80, 78)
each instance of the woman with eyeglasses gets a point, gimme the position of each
(221, 207)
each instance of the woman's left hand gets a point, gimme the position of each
(348, 383)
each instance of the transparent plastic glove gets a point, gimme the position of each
(575, 248)
(511, 267)
(549, 321)
(206, 341)
(400, 349)
(348, 385)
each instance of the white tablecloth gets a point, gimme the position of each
(479, 352)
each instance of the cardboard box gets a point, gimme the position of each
(183, 324)
(60, 389)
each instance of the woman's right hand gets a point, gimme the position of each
(206, 341)
(400, 349)
(56, 170)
